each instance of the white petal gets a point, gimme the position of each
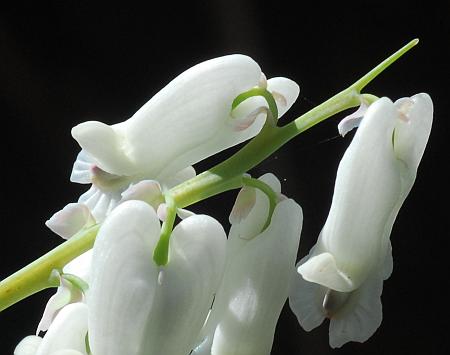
(104, 145)
(148, 191)
(56, 302)
(360, 316)
(244, 203)
(322, 269)
(183, 213)
(82, 168)
(123, 279)
(287, 89)
(67, 352)
(255, 286)
(28, 345)
(189, 281)
(412, 132)
(256, 218)
(70, 220)
(367, 190)
(80, 266)
(305, 300)
(100, 202)
(179, 177)
(353, 120)
(68, 331)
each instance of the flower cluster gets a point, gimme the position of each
(219, 294)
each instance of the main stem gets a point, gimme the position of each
(225, 176)
(37, 276)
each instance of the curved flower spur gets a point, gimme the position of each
(189, 120)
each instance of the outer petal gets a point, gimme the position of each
(191, 111)
(368, 186)
(123, 279)
(28, 345)
(70, 220)
(412, 132)
(361, 314)
(285, 92)
(252, 225)
(255, 287)
(187, 286)
(68, 331)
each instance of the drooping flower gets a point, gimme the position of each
(188, 120)
(256, 279)
(137, 307)
(74, 277)
(66, 335)
(342, 277)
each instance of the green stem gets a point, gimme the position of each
(266, 189)
(37, 275)
(225, 176)
(161, 252)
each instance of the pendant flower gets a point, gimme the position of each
(137, 307)
(256, 279)
(66, 335)
(187, 121)
(342, 277)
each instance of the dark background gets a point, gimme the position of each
(65, 62)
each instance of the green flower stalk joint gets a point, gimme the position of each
(133, 281)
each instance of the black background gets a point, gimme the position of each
(65, 62)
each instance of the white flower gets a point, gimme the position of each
(256, 279)
(342, 277)
(73, 288)
(188, 120)
(66, 335)
(137, 307)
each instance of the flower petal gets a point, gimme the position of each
(28, 345)
(70, 220)
(367, 190)
(257, 216)
(61, 298)
(68, 331)
(285, 92)
(411, 134)
(191, 111)
(187, 285)
(255, 286)
(100, 202)
(360, 316)
(82, 168)
(123, 279)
